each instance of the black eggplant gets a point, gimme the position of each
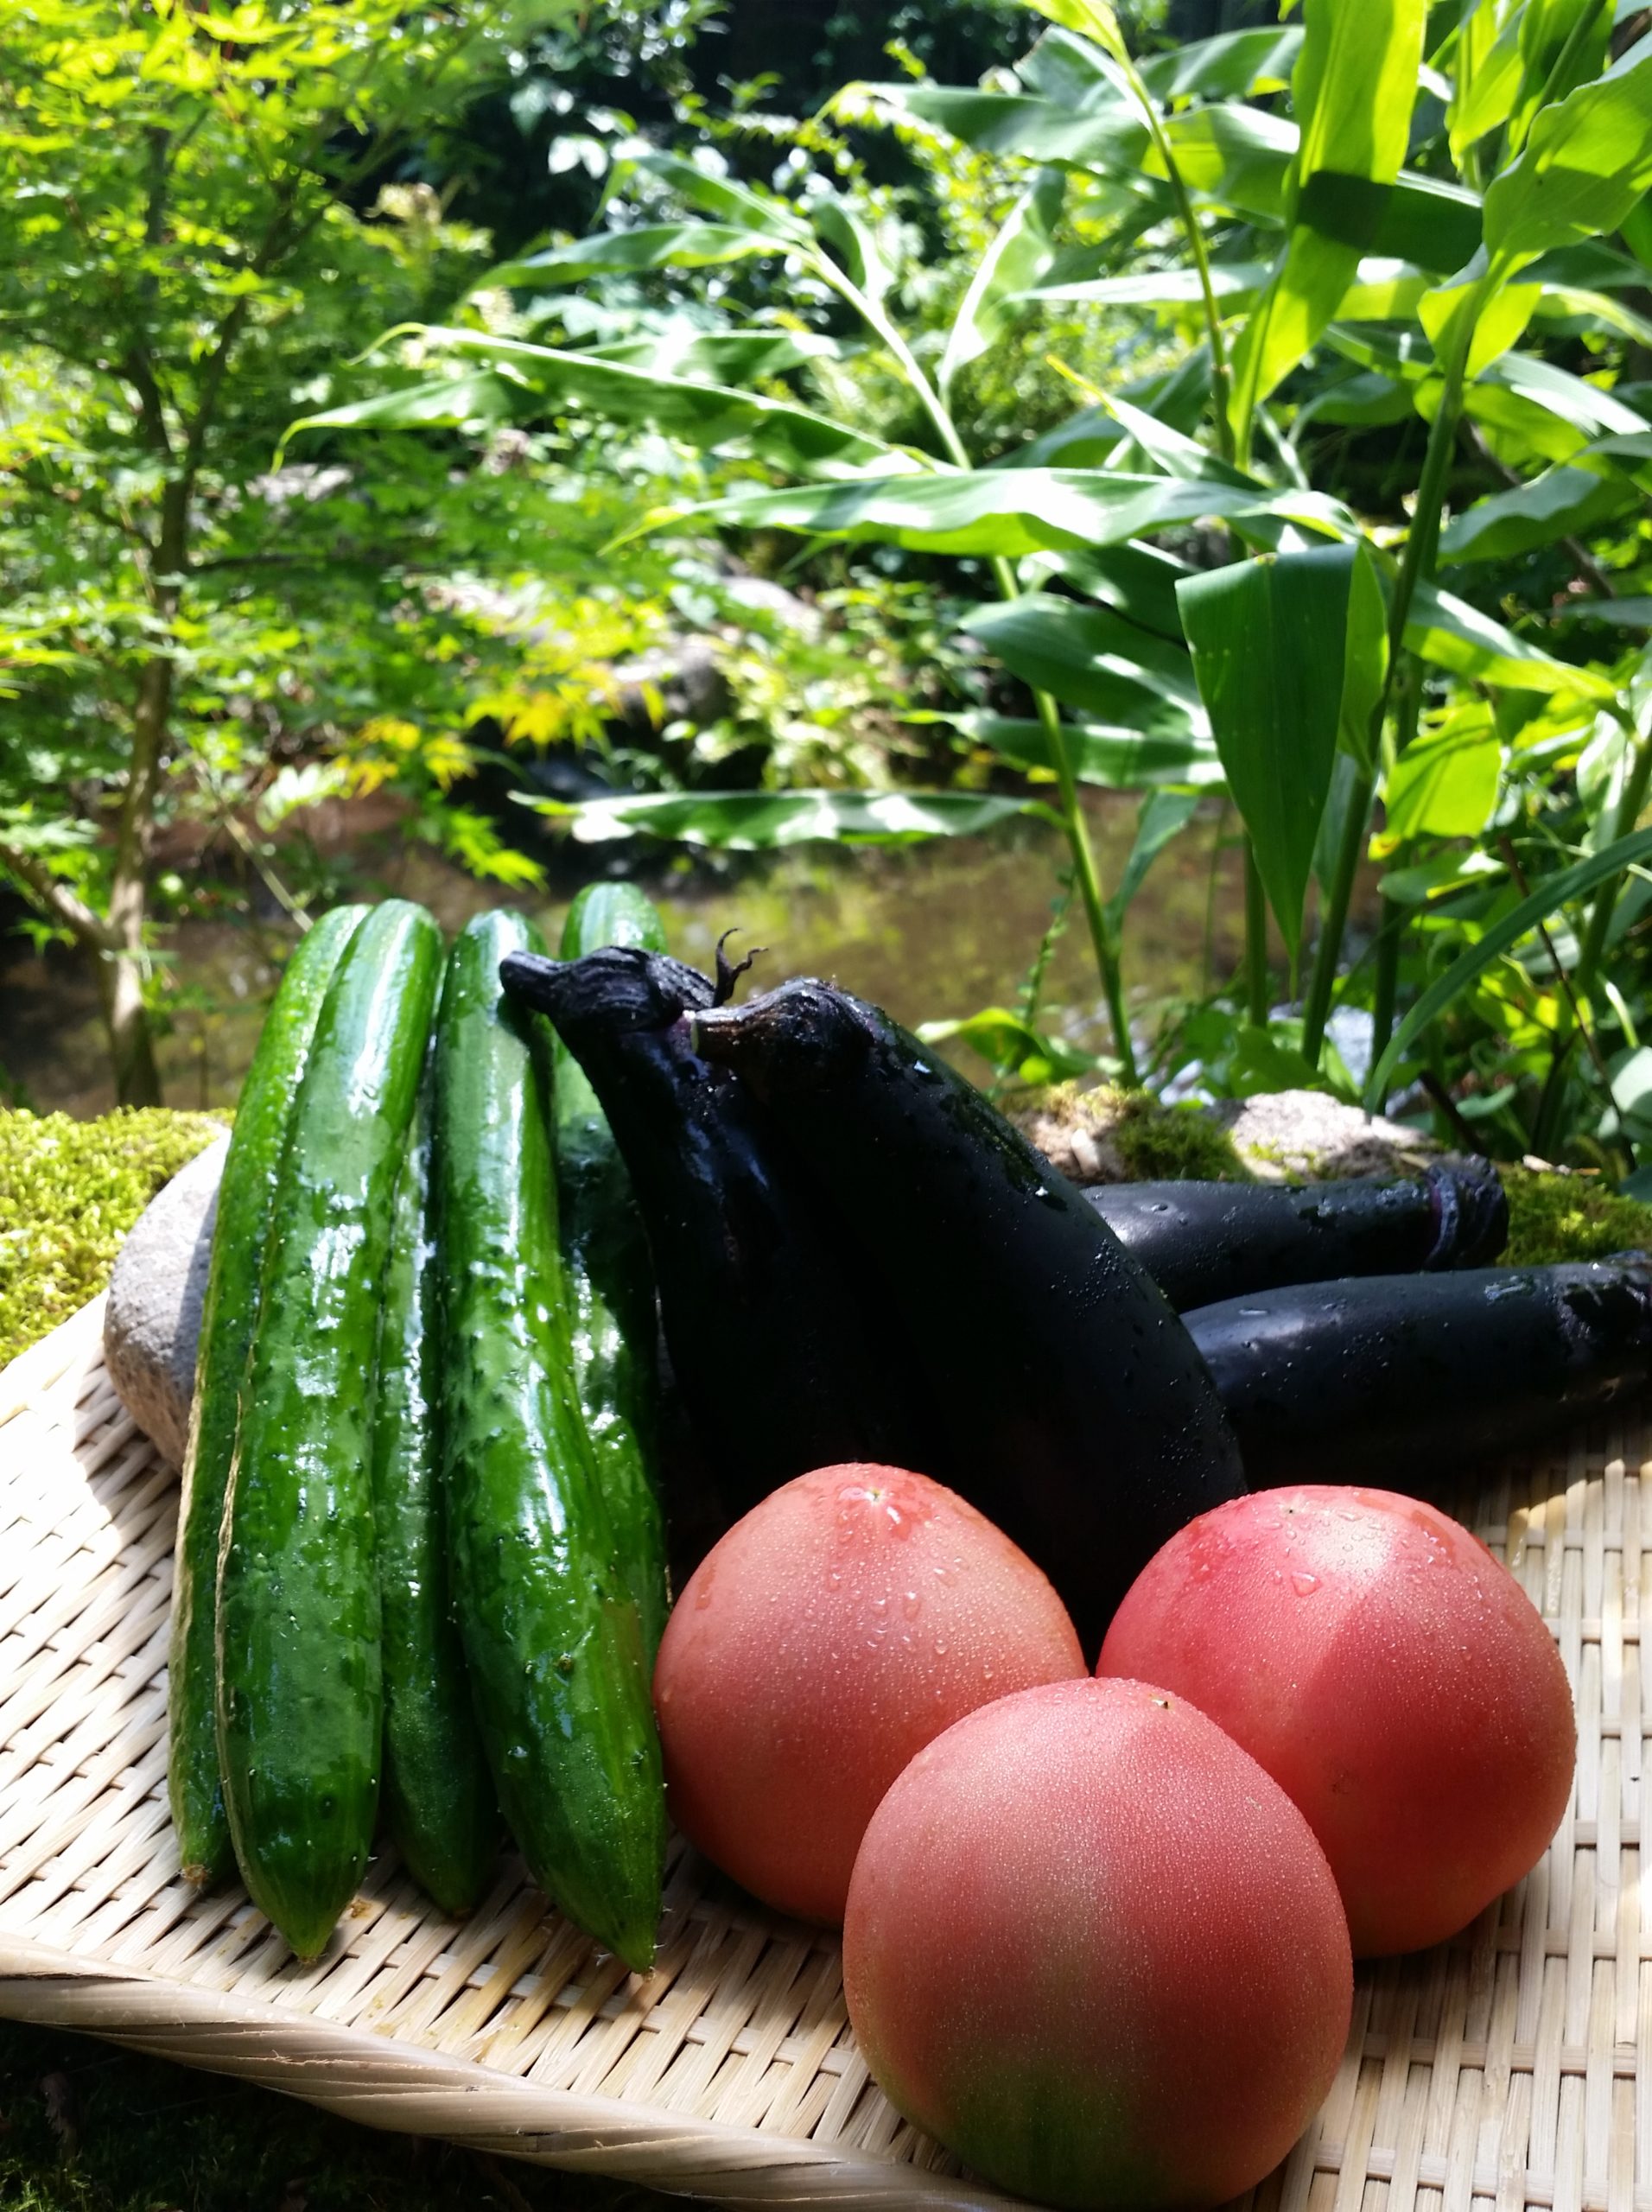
(777, 1353)
(1076, 1412)
(1402, 1380)
(1202, 1241)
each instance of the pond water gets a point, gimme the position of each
(930, 931)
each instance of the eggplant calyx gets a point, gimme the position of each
(793, 1039)
(729, 972)
(1471, 1210)
(621, 986)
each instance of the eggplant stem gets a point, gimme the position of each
(727, 976)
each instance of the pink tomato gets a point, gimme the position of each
(848, 1619)
(1390, 1675)
(1093, 1950)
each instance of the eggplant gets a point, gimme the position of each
(778, 1354)
(1203, 1242)
(1075, 1411)
(1399, 1380)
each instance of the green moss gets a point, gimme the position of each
(1173, 1144)
(1136, 1137)
(69, 1191)
(84, 2128)
(1569, 1218)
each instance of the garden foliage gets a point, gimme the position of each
(1358, 547)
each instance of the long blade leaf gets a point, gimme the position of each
(1571, 883)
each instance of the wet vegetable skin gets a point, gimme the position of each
(299, 1668)
(245, 1202)
(552, 1636)
(438, 1796)
(1403, 1378)
(1390, 1675)
(1074, 1412)
(783, 1356)
(1204, 1242)
(612, 1318)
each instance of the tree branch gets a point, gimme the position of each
(62, 904)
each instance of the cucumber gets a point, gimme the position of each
(299, 1688)
(245, 1202)
(438, 1796)
(611, 1281)
(553, 1639)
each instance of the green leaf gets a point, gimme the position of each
(853, 245)
(1231, 282)
(1117, 759)
(1231, 66)
(1011, 265)
(1163, 815)
(1090, 658)
(1238, 156)
(1561, 503)
(1444, 783)
(1569, 397)
(725, 201)
(707, 415)
(1555, 892)
(1488, 76)
(1365, 657)
(724, 357)
(1430, 222)
(1012, 512)
(1588, 160)
(1353, 91)
(1011, 1045)
(652, 245)
(759, 821)
(443, 403)
(1140, 581)
(1477, 310)
(1268, 640)
(1092, 19)
(1449, 632)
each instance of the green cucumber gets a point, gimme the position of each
(300, 1682)
(610, 1279)
(438, 1796)
(553, 1639)
(245, 1202)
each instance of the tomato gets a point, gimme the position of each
(848, 1619)
(1093, 1950)
(1389, 1674)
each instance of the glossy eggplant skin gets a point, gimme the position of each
(778, 1354)
(1204, 1242)
(1402, 1380)
(1076, 1414)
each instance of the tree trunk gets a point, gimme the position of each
(120, 970)
(132, 1045)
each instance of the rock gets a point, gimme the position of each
(1107, 1135)
(152, 1321)
(1287, 1135)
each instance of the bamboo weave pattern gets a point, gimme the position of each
(1511, 2068)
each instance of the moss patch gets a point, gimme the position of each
(84, 2128)
(1112, 1135)
(69, 1191)
(1173, 1144)
(1555, 1217)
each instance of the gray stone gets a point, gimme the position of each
(1285, 1135)
(152, 1322)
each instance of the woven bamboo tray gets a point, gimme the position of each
(1503, 2069)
